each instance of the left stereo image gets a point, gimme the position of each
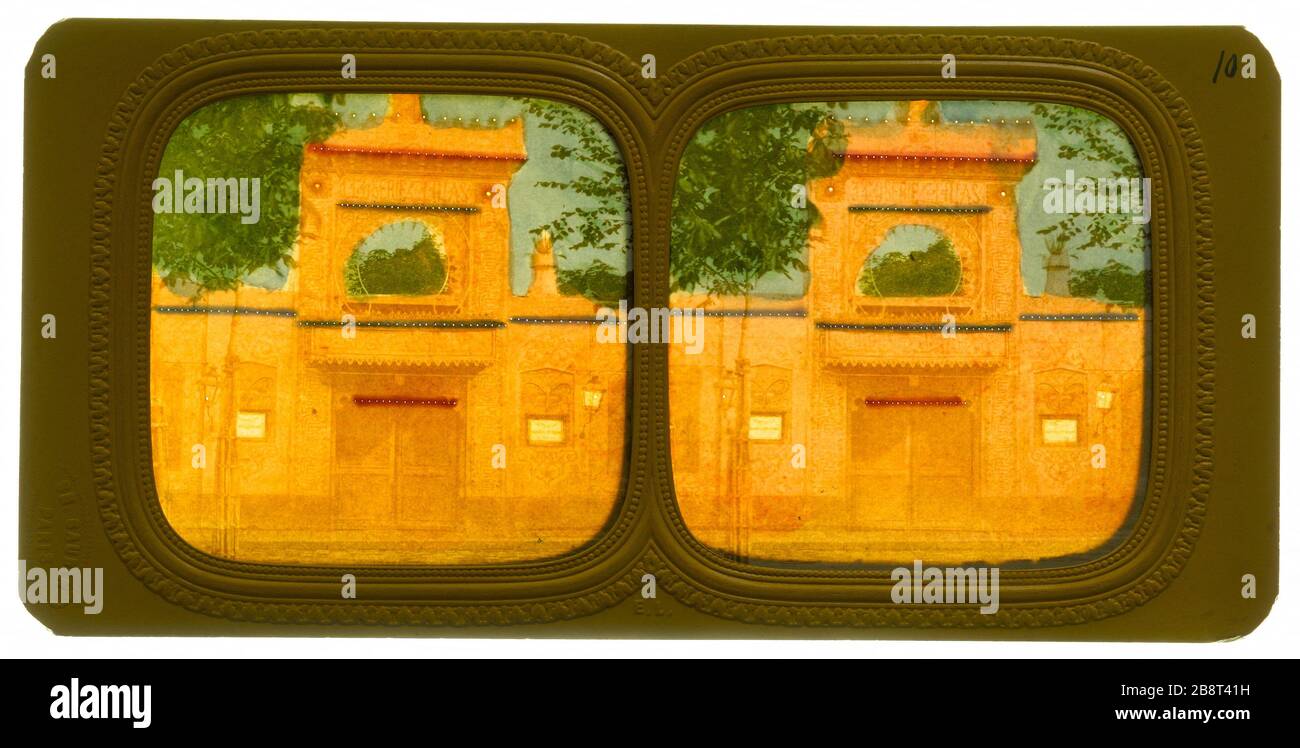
(371, 337)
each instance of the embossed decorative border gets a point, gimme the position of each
(1160, 124)
(647, 536)
(526, 63)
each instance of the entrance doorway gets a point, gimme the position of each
(913, 452)
(398, 443)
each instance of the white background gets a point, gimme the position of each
(21, 636)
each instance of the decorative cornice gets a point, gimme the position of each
(912, 362)
(397, 362)
(936, 157)
(414, 324)
(251, 311)
(411, 206)
(919, 209)
(996, 327)
(415, 153)
(394, 401)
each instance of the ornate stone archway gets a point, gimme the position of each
(959, 179)
(966, 248)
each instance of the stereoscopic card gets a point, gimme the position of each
(650, 331)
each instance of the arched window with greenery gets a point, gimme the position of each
(398, 259)
(911, 261)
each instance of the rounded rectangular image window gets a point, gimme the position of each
(373, 334)
(923, 332)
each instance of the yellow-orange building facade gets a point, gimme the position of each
(843, 427)
(472, 425)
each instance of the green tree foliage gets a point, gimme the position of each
(602, 220)
(735, 217)
(597, 281)
(417, 270)
(1114, 282)
(249, 136)
(1100, 149)
(933, 271)
(598, 219)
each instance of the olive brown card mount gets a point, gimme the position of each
(650, 331)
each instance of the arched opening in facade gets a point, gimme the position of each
(402, 258)
(913, 260)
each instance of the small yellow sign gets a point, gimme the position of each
(766, 428)
(249, 425)
(545, 431)
(1060, 431)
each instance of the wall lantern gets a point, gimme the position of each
(1104, 399)
(592, 394)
